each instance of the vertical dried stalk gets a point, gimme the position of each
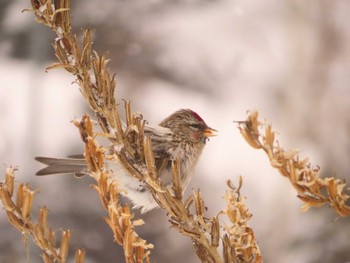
(176, 183)
(19, 214)
(239, 242)
(120, 219)
(303, 176)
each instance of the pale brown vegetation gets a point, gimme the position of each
(133, 151)
(304, 177)
(19, 214)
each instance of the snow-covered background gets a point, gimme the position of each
(290, 60)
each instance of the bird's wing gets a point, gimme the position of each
(156, 130)
(161, 138)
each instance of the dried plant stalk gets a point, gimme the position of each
(129, 148)
(19, 214)
(239, 235)
(176, 183)
(120, 219)
(304, 177)
(204, 232)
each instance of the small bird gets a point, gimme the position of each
(182, 136)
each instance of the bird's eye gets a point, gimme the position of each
(195, 126)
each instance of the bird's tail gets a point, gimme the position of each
(74, 165)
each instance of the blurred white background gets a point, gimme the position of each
(290, 60)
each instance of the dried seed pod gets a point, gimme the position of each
(64, 245)
(79, 256)
(215, 232)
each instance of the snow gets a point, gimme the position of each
(92, 77)
(72, 61)
(42, 8)
(59, 32)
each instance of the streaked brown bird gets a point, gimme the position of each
(182, 136)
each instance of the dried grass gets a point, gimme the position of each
(134, 152)
(313, 190)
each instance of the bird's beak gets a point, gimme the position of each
(209, 132)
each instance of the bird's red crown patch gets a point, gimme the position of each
(195, 114)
